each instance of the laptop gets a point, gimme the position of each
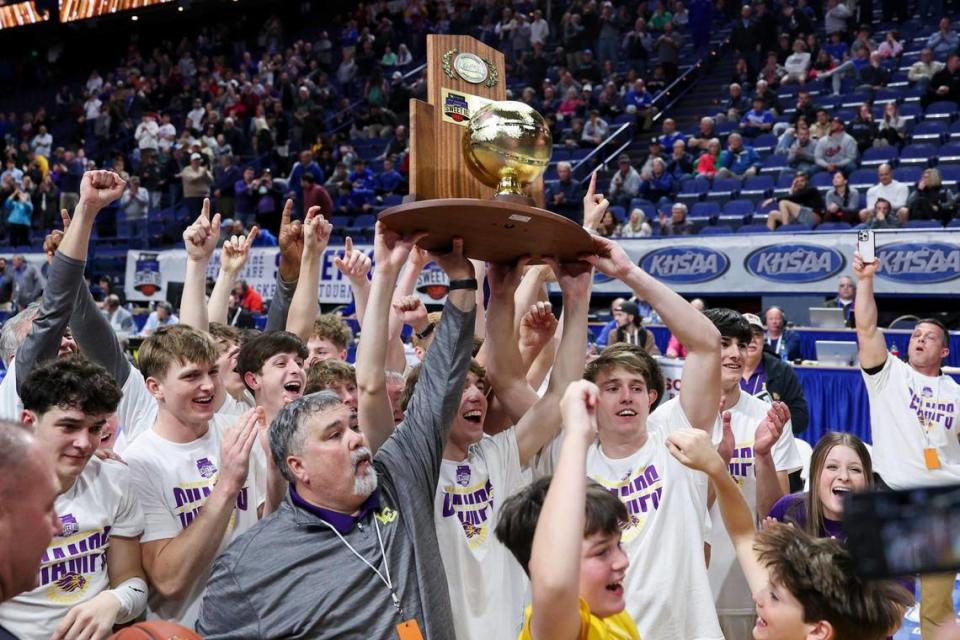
(827, 318)
(837, 352)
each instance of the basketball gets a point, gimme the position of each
(156, 630)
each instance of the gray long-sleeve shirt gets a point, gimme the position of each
(290, 576)
(838, 150)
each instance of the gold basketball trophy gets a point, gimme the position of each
(474, 161)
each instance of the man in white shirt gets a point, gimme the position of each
(42, 142)
(167, 133)
(759, 464)
(891, 190)
(120, 319)
(162, 316)
(147, 134)
(914, 413)
(195, 116)
(539, 29)
(667, 590)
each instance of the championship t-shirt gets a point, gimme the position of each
(488, 588)
(137, 411)
(666, 586)
(910, 412)
(730, 589)
(73, 569)
(173, 481)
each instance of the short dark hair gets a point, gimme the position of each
(70, 383)
(820, 573)
(940, 325)
(521, 511)
(632, 358)
(256, 351)
(731, 324)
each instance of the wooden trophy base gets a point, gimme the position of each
(498, 231)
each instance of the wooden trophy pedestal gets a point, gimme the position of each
(497, 231)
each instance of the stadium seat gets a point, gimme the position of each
(723, 189)
(875, 156)
(705, 210)
(910, 175)
(949, 152)
(941, 110)
(692, 190)
(833, 226)
(716, 230)
(618, 212)
(758, 186)
(954, 131)
(753, 228)
(950, 174)
(783, 185)
(392, 200)
(340, 222)
(918, 154)
(738, 208)
(954, 224)
(910, 111)
(773, 164)
(764, 143)
(923, 224)
(793, 228)
(929, 131)
(822, 180)
(863, 178)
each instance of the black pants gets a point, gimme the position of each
(19, 235)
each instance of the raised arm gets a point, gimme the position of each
(375, 414)
(406, 285)
(233, 258)
(558, 540)
(97, 190)
(291, 252)
(303, 307)
(771, 484)
(693, 448)
(200, 239)
(355, 265)
(700, 391)
(873, 346)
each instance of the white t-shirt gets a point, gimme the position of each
(488, 588)
(137, 411)
(10, 405)
(73, 569)
(172, 482)
(910, 412)
(233, 407)
(730, 589)
(666, 587)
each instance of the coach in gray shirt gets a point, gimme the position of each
(352, 551)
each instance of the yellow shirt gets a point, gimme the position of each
(616, 627)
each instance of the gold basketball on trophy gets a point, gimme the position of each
(507, 146)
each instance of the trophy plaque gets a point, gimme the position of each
(475, 160)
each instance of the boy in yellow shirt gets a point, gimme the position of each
(568, 539)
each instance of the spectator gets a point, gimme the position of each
(880, 216)
(565, 194)
(28, 284)
(338, 177)
(890, 47)
(845, 299)
(625, 183)
(6, 286)
(874, 75)
(267, 197)
(608, 226)
(19, 209)
(539, 29)
(668, 51)
(893, 127)
(196, 179)
(638, 45)
(864, 128)
(708, 131)
(45, 201)
(148, 134)
(636, 226)
(849, 68)
(772, 71)
(638, 101)
(596, 128)
(742, 74)
(893, 191)
(680, 165)
(13, 171)
(304, 165)
(42, 142)
(389, 181)
(745, 37)
(837, 151)
(315, 196)
(659, 187)
(801, 156)
(780, 342)
(820, 128)
(738, 160)
(120, 319)
(224, 185)
(945, 84)
(769, 378)
(735, 105)
(675, 348)
(670, 134)
(630, 330)
(250, 298)
(244, 200)
(161, 316)
(135, 203)
(709, 159)
(677, 224)
(842, 201)
(797, 64)
(770, 99)
(931, 200)
(802, 205)
(944, 41)
(923, 70)
(756, 121)
(836, 17)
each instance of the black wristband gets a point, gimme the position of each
(427, 330)
(465, 283)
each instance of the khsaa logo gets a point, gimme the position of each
(919, 262)
(685, 265)
(795, 263)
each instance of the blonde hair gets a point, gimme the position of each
(332, 327)
(175, 344)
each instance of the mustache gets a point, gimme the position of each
(360, 455)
